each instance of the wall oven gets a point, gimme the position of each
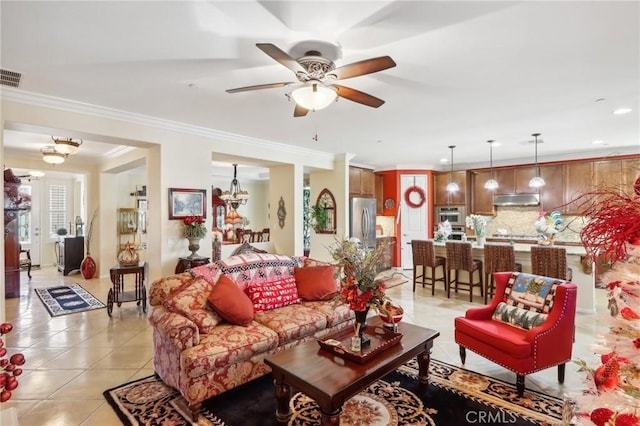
(457, 233)
(455, 215)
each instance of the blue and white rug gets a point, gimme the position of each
(67, 299)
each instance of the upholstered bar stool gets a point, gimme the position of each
(460, 258)
(550, 261)
(497, 258)
(425, 256)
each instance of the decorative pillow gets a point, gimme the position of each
(275, 294)
(191, 302)
(531, 292)
(209, 272)
(230, 302)
(316, 282)
(248, 269)
(518, 317)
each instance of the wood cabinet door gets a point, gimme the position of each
(379, 182)
(442, 197)
(630, 173)
(552, 193)
(367, 183)
(522, 177)
(354, 181)
(608, 174)
(506, 180)
(578, 180)
(481, 198)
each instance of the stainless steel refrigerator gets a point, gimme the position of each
(362, 220)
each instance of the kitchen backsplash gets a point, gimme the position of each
(388, 225)
(520, 221)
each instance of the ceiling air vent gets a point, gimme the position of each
(10, 78)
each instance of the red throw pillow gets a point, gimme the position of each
(272, 295)
(230, 302)
(316, 282)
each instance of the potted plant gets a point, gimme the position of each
(319, 218)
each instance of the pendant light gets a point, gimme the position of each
(235, 196)
(491, 184)
(452, 186)
(536, 181)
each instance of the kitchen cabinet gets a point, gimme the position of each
(361, 182)
(552, 193)
(481, 198)
(515, 180)
(379, 187)
(441, 196)
(630, 172)
(578, 179)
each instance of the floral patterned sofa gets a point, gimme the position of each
(214, 324)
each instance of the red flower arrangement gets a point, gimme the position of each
(9, 370)
(358, 268)
(194, 227)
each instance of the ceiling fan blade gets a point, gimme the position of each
(358, 96)
(367, 66)
(259, 87)
(300, 111)
(281, 56)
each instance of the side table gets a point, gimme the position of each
(117, 293)
(185, 263)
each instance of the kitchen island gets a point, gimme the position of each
(584, 280)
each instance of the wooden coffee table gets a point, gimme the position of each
(331, 380)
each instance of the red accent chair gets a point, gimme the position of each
(522, 351)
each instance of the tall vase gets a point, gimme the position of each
(361, 325)
(88, 267)
(480, 238)
(194, 246)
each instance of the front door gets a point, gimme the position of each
(29, 222)
(413, 219)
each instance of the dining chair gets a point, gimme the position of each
(460, 258)
(424, 256)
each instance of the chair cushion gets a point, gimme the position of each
(292, 322)
(316, 282)
(500, 335)
(230, 302)
(272, 295)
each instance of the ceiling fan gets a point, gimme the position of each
(317, 75)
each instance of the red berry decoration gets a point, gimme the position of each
(8, 367)
(627, 419)
(628, 314)
(600, 416)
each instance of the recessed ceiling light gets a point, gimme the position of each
(621, 111)
(597, 142)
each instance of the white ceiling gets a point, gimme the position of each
(466, 71)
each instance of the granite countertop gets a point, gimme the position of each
(525, 247)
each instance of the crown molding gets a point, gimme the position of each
(40, 100)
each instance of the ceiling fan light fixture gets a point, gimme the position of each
(51, 156)
(66, 146)
(314, 96)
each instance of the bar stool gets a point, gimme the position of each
(498, 258)
(425, 256)
(460, 258)
(550, 261)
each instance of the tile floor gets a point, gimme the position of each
(72, 359)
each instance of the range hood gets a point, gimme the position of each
(516, 200)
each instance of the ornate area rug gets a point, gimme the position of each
(67, 299)
(455, 396)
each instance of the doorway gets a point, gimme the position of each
(413, 219)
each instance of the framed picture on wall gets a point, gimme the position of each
(187, 202)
